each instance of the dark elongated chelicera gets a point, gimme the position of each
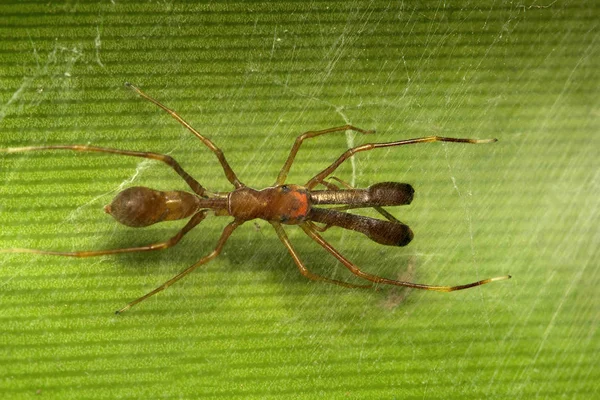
(281, 204)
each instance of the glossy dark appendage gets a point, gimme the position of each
(383, 232)
(381, 194)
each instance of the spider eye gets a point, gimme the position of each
(285, 188)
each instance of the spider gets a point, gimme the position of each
(280, 204)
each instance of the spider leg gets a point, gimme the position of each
(370, 146)
(231, 176)
(170, 161)
(378, 279)
(303, 270)
(195, 220)
(224, 236)
(290, 160)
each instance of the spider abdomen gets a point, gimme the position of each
(140, 206)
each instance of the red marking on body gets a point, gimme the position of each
(301, 204)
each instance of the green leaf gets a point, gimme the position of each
(252, 76)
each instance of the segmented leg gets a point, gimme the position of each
(170, 161)
(318, 228)
(290, 160)
(370, 146)
(303, 270)
(224, 236)
(195, 220)
(231, 176)
(377, 279)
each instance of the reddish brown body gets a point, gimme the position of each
(279, 204)
(288, 204)
(285, 204)
(140, 206)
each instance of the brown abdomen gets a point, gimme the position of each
(140, 206)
